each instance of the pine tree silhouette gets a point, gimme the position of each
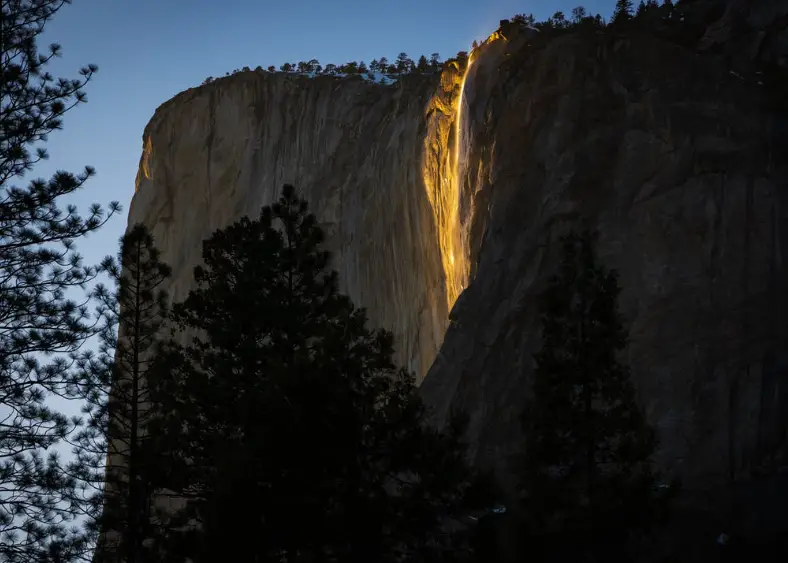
(39, 266)
(587, 478)
(291, 433)
(117, 398)
(623, 11)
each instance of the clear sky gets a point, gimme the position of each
(149, 50)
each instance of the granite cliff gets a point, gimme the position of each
(678, 161)
(354, 149)
(443, 197)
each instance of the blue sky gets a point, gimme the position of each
(149, 50)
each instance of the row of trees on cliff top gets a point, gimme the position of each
(403, 64)
(647, 12)
(262, 403)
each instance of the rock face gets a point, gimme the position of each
(679, 164)
(355, 151)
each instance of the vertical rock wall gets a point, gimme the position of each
(678, 164)
(360, 153)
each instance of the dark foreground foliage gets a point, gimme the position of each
(290, 433)
(40, 326)
(588, 488)
(112, 447)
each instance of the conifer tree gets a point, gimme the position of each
(587, 481)
(291, 433)
(404, 63)
(117, 401)
(423, 65)
(39, 325)
(666, 10)
(524, 19)
(578, 14)
(623, 11)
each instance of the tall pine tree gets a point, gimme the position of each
(117, 399)
(587, 480)
(39, 325)
(292, 435)
(623, 11)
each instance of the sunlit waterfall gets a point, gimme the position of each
(445, 152)
(458, 253)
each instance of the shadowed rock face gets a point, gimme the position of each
(678, 164)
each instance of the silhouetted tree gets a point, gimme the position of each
(524, 19)
(652, 8)
(403, 63)
(293, 435)
(578, 14)
(623, 11)
(545, 26)
(39, 326)
(648, 10)
(116, 393)
(271, 68)
(435, 60)
(587, 482)
(422, 66)
(559, 20)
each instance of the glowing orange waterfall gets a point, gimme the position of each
(144, 168)
(442, 176)
(458, 267)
